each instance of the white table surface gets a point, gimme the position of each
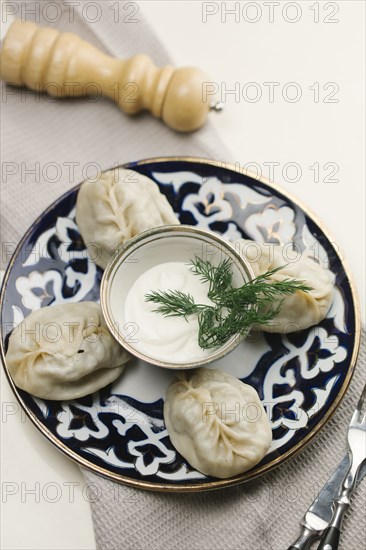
(44, 500)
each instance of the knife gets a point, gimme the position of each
(320, 512)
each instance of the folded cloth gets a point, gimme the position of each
(49, 147)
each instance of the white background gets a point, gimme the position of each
(304, 132)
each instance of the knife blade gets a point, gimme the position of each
(320, 512)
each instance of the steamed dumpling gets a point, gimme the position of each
(301, 309)
(116, 207)
(64, 352)
(216, 422)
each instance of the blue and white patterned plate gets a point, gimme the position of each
(119, 432)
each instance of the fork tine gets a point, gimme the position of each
(355, 417)
(361, 400)
(363, 422)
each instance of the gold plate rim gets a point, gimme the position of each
(220, 483)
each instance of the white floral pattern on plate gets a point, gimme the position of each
(212, 202)
(273, 225)
(319, 353)
(39, 288)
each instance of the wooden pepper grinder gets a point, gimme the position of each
(62, 64)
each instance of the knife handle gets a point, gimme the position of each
(307, 537)
(330, 540)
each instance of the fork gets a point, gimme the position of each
(357, 447)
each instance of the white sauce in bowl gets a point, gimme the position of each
(170, 339)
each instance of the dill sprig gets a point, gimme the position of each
(234, 310)
(260, 292)
(219, 277)
(174, 303)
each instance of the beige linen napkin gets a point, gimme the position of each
(46, 147)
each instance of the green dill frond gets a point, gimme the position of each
(174, 303)
(219, 277)
(235, 310)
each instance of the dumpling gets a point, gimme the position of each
(301, 309)
(216, 422)
(116, 207)
(64, 352)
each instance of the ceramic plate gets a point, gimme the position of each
(119, 432)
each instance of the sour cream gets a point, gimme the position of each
(169, 339)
